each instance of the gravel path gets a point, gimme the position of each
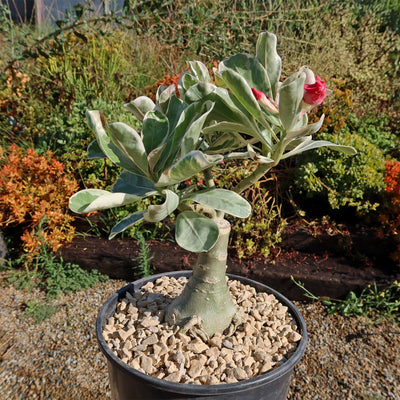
(347, 358)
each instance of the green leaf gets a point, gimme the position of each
(186, 81)
(130, 143)
(224, 142)
(242, 91)
(140, 106)
(126, 223)
(290, 97)
(133, 184)
(224, 108)
(269, 58)
(250, 69)
(305, 130)
(89, 200)
(175, 109)
(156, 213)
(257, 157)
(177, 131)
(314, 144)
(153, 158)
(198, 92)
(195, 232)
(155, 130)
(164, 96)
(190, 140)
(193, 163)
(94, 151)
(199, 70)
(222, 200)
(97, 123)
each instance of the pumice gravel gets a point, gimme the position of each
(265, 339)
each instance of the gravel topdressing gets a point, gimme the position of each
(346, 357)
(137, 335)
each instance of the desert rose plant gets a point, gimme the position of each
(244, 112)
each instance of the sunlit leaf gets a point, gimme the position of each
(193, 163)
(140, 106)
(222, 200)
(89, 200)
(158, 212)
(269, 58)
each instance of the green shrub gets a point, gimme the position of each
(376, 130)
(354, 181)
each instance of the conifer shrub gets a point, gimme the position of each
(34, 190)
(390, 218)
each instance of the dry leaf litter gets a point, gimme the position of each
(137, 334)
(347, 358)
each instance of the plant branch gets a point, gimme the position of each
(253, 178)
(211, 184)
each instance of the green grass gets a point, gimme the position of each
(372, 302)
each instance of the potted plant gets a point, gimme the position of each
(245, 113)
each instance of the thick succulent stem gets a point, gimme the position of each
(206, 294)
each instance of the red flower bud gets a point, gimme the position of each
(315, 93)
(265, 101)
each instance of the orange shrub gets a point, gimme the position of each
(168, 80)
(34, 191)
(391, 219)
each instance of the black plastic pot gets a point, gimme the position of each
(128, 384)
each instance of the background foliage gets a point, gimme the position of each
(48, 77)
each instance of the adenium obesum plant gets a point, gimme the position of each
(248, 113)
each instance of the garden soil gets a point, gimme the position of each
(327, 264)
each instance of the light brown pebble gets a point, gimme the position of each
(147, 364)
(152, 339)
(197, 346)
(248, 361)
(123, 334)
(294, 337)
(196, 369)
(174, 377)
(150, 322)
(240, 374)
(212, 353)
(216, 341)
(227, 343)
(179, 357)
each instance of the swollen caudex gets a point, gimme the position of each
(137, 334)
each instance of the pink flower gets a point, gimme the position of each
(314, 93)
(265, 101)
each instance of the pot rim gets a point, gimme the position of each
(185, 388)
